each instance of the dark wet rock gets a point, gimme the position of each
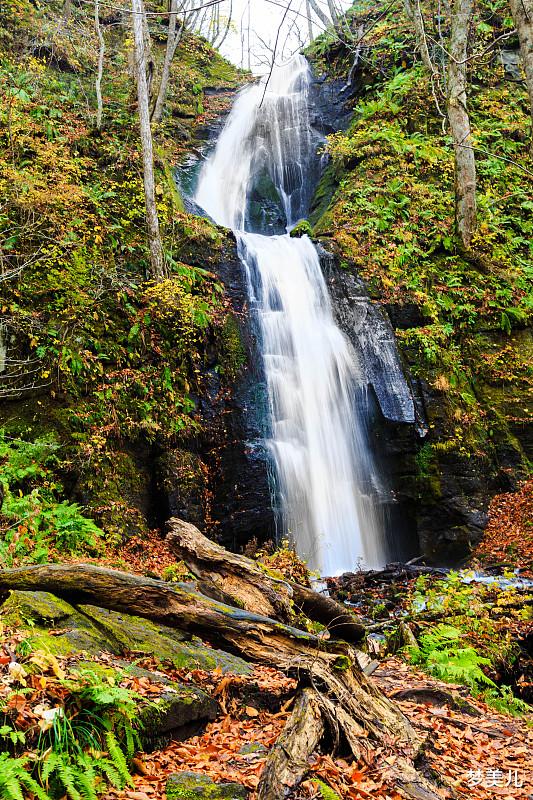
(372, 337)
(329, 104)
(234, 430)
(406, 315)
(180, 477)
(174, 713)
(198, 786)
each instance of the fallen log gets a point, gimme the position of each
(241, 581)
(364, 716)
(288, 761)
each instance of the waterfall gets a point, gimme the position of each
(259, 181)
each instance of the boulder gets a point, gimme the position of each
(197, 786)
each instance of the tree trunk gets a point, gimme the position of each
(332, 11)
(218, 44)
(522, 11)
(320, 14)
(309, 21)
(152, 220)
(465, 165)
(173, 39)
(100, 68)
(288, 760)
(414, 12)
(240, 581)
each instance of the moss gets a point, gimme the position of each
(233, 352)
(342, 663)
(302, 228)
(29, 608)
(136, 633)
(198, 786)
(91, 629)
(428, 475)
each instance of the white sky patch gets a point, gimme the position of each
(254, 30)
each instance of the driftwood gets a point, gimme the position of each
(361, 713)
(240, 581)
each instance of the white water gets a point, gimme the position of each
(324, 471)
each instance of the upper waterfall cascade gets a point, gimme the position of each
(325, 475)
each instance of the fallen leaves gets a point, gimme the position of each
(508, 538)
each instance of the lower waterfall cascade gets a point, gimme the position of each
(325, 477)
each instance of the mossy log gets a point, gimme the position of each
(348, 699)
(243, 582)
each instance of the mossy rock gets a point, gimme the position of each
(41, 611)
(176, 708)
(91, 629)
(197, 786)
(302, 228)
(161, 718)
(141, 635)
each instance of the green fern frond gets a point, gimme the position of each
(107, 768)
(15, 781)
(118, 758)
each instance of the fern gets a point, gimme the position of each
(15, 781)
(442, 655)
(326, 792)
(118, 759)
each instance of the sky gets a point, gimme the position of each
(264, 17)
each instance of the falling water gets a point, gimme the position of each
(325, 477)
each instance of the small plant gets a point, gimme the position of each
(283, 562)
(80, 746)
(15, 780)
(35, 521)
(442, 653)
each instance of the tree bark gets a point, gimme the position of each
(100, 68)
(173, 39)
(320, 14)
(288, 760)
(218, 44)
(152, 220)
(309, 21)
(522, 11)
(465, 166)
(414, 12)
(241, 581)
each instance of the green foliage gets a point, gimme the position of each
(34, 519)
(476, 643)
(84, 745)
(110, 373)
(15, 780)
(392, 217)
(441, 654)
